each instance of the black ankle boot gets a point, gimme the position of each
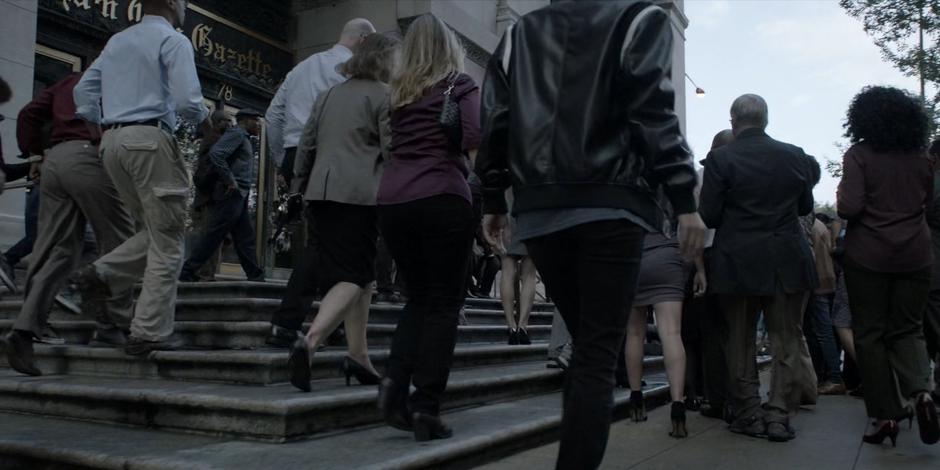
(678, 420)
(637, 406)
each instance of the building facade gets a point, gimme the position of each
(243, 48)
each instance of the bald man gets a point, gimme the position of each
(286, 118)
(291, 106)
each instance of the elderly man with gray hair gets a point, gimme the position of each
(754, 189)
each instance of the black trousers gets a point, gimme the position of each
(591, 271)
(888, 323)
(430, 240)
(303, 285)
(714, 327)
(228, 216)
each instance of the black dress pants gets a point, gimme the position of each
(303, 286)
(591, 271)
(430, 240)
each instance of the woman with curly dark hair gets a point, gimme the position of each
(887, 182)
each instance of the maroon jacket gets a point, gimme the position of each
(53, 105)
(884, 197)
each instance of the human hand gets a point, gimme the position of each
(206, 126)
(699, 284)
(691, 235)
(35, 171)
(493, 227)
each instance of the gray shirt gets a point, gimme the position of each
(539, 223)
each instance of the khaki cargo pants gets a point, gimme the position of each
(74, 190)
(148, 171)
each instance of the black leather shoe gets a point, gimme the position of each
(429, 427)
(94, 291)
(139, 347)
(714, 411)
(18, 346)
(392, 405)
(753, 426)
(779, 432)
(109, 336)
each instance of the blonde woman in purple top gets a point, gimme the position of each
(426, 218)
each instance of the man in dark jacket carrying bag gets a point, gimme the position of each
(231, 158)
(584, 91)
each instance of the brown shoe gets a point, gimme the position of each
(829, 388)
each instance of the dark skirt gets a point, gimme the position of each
(663, 272)
(346, 240)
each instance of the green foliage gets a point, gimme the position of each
(827, 208)
(895, 25)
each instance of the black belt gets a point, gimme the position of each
(151, 123)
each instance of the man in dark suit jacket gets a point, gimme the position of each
(754, 189)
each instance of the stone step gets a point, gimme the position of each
(273, 290)
(260, 309)
(261, 367)
(251, 335)
(276, 413)
(480, 435)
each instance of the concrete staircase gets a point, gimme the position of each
(230, 388)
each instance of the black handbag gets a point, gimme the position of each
(450, 116)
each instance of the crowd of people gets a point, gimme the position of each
(387, 143)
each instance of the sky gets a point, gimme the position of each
(807, 58)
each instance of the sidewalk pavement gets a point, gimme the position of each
(828, 438)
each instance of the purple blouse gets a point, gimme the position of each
(422, 163)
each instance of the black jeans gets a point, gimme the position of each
(24, 247)
(591, 271)
(303, 286)
(430, 240)
(228, 216)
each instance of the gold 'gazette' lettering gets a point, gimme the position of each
(250, 62)
(108, 7)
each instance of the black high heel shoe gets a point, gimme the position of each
(927, 419)
(523, 337)
(298, 364)
(637, 407)
(351, 368)
(678, 420)
(908, 415)
(890, 430)
(428, 427)
(392, 405)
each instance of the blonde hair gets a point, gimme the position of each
(430, 53)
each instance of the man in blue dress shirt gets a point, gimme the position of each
(145, 76)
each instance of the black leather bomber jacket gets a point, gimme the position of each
(578, 111)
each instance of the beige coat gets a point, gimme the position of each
(345, 144)
(822, 248)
